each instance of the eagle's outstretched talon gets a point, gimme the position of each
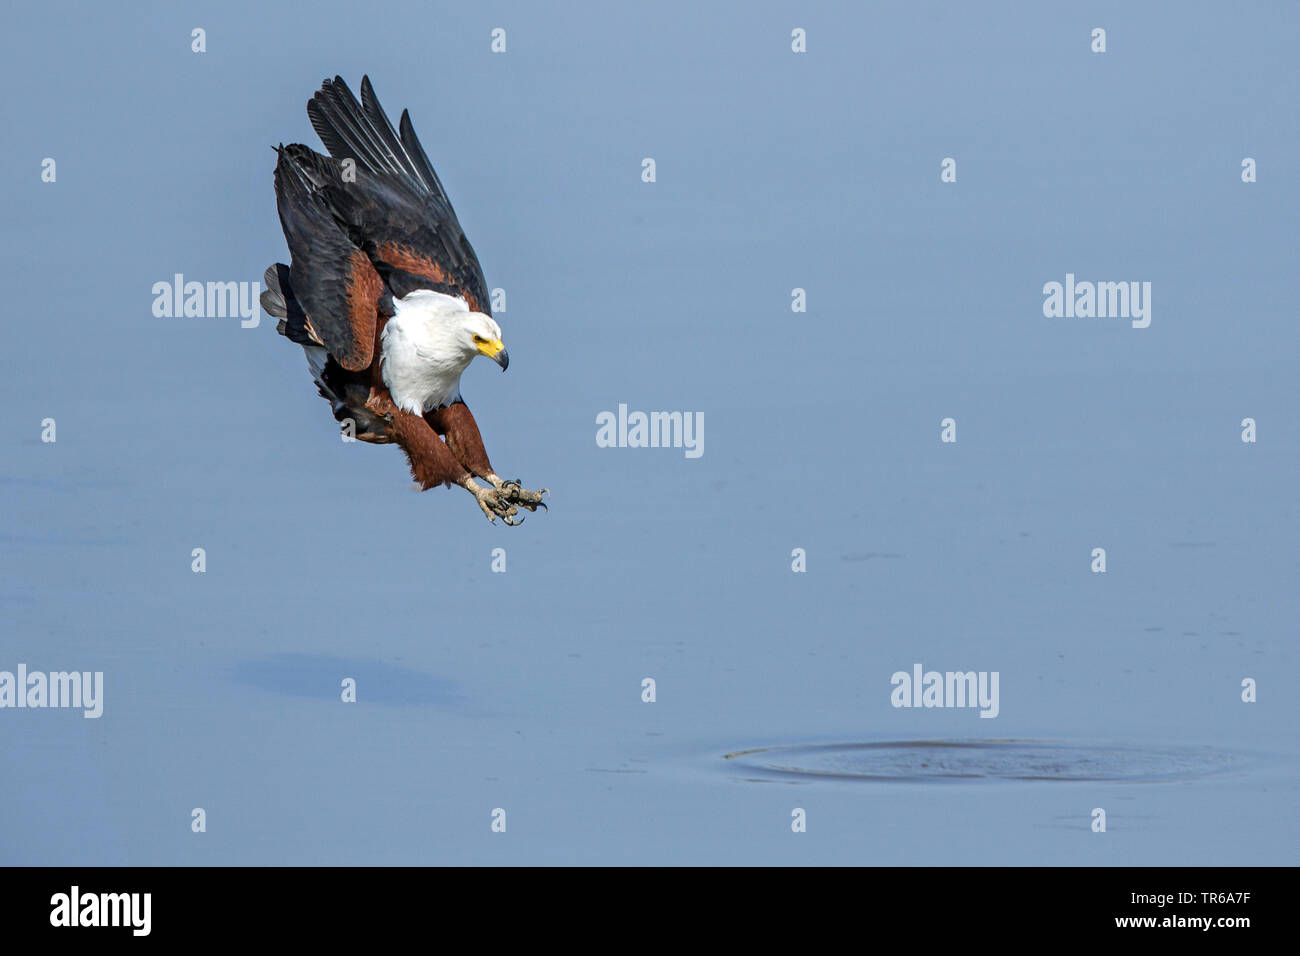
(495, 506)
(515, 493)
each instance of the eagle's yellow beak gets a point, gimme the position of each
(494, 349)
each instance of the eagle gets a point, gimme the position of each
(385, 294)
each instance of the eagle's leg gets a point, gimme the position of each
(456, 423)
(432, 461)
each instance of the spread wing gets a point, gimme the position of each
(334, 281)
(395, 209)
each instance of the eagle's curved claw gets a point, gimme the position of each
(495, 506)
(516, 494)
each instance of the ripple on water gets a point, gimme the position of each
(926, 760)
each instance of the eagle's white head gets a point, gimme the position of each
(484, 338)
(429, 342)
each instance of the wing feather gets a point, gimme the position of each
(397, 210)
(334, 281)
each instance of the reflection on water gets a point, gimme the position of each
(320, 676)
(927, 760)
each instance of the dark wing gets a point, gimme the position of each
(333, 281)
(396, 209)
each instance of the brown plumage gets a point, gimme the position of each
(366, 227)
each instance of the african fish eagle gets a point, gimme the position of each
(385, 294)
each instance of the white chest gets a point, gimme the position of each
(422, 358)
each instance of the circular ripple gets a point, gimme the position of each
(926, 760)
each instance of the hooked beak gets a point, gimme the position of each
(496, 351)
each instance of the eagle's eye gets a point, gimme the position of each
(478, 339)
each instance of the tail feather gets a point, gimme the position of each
(346, 392)
(273, 299)
(279, 303)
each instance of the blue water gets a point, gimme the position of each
(522, 690)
